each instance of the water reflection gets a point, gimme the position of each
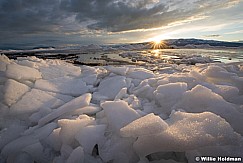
(156, 53)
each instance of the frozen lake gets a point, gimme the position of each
(164, 108)
(123, 56)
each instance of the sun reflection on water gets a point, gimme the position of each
(156, 53)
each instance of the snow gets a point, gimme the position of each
(54, 111)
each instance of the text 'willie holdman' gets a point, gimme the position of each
(218, 159)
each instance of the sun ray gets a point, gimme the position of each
(158, 44)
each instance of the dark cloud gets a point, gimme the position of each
(212, 36)
(29, 17)
(81, 17)
(118, 16)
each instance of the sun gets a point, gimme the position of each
(157, 41)
(158, 44)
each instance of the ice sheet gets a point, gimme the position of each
(131, 114)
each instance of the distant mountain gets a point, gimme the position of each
(196, 42)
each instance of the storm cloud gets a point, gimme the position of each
(87, 17)
(120, 15)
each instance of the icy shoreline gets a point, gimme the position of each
(53, 111)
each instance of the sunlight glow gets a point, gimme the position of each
(158, 44)
(155, 53)
(157, 41)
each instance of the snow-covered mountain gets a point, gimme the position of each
(185, 42)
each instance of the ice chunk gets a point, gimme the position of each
(21, 73)
(168, 94)
(188, 131)
(54, 139)
(65, 98)
(89, 110)
(41, 132)
(27, 63)
(89, 136)
(226, 91)
(201, 99)
(36, 151)
(30, 137)
(77, 156)
(217, 74)
(12, 148)
(13, 91)
(4, 61)
(110, 87)
(90, 79)
(59, 159)
(10, 134)
(63, 85)
(74, 104)
(121, 94)
(35, 117)
(140, 73)
(119, 114)
(56, 68)
(39, 99)
(118, 70)
(21, 157)
(2, 79)
(147, 125)
(145, 91)
(117, 148)
(69, 128)
(87, 70)
(65, 151)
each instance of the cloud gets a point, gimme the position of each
(118, 15)
(212, 35)
(58, 18)
(234, 32)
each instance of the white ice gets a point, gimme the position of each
(113, 84)
(188, 131)
(54, 111)
(18, 72)
(63, 85)
(119, 114)
(147, 125)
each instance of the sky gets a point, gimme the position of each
(71, 22)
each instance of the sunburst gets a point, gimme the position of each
(158, 44)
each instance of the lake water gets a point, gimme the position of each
(142, 56)
(225, 55)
